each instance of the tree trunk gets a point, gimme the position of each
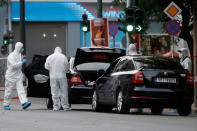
(195, 52)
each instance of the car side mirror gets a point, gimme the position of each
(100, 73)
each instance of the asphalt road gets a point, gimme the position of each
(81, 118)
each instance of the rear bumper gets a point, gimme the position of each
(143, 97)
(80, 94)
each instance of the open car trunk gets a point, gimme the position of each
(88, 61)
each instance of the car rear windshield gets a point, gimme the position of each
(93, 66)
(157, 63)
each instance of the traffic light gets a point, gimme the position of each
(3, 49)
(85, 23)
(139, 20)
(8, 38)
(130, 20)
(5, 39)
(134, 20)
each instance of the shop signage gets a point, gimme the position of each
(113, 13)
(172, 10)
(172, 27)
(113, 30)
(99, 32)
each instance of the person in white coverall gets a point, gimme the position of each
(14, 77)
(132, 50)
(57, 64)
(185, 60)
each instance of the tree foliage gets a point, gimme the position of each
(3, 2)
(154, 9)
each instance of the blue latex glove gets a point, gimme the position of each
(24, 61)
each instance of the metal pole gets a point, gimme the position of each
(99, 8)
(195, 53)
(173, 46)
(114, 41)
(127, 34)
(9, 25)
(22, 24)
(84, 39)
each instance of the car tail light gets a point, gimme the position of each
(138, 77)
(75, 79)
(190, 79)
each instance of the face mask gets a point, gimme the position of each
(22, 50)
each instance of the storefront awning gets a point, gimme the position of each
(51, 11)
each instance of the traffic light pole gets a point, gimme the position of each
(130, 3)
(22, 24)
(84, 39)
(9, 25)
(127, 34)
(99, 9)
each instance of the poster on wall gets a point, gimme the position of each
(99, 32)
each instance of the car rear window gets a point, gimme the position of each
(93, 66)
(157, 63)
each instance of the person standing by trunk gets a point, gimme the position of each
(57, 64)
(185, 60)
(14, 77)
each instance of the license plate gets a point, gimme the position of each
(165, 80)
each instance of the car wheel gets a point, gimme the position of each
(184, 110)
(49, 103)
(95, 105)
(156, 110)
(122, 107)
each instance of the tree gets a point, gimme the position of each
(3, 2)
(154, 9)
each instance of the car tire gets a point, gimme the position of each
(49, 103)
(121, 106)
(184, 110)
(156, 110)
(96, 106)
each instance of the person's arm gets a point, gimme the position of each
(13, 64)
(47, 65)
(66, 64)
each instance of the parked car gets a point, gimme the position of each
(144, 82)
(85, 68)
(38, 78)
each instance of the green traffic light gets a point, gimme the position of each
(5, 42)
(129, 28)
(85, 28)
(138, 28)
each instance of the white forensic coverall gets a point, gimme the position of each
(57, 64)
(14, 76)
(132, 50)
(185, 60)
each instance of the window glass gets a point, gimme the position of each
(127, 66)
(111, 67)
(119, 66)
(157, 63)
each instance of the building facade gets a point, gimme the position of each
(51, 23)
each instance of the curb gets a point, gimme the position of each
(194, 110)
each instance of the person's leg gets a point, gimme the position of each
(64, 93)
(8, 92)
(55, 94)
(21, 92)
